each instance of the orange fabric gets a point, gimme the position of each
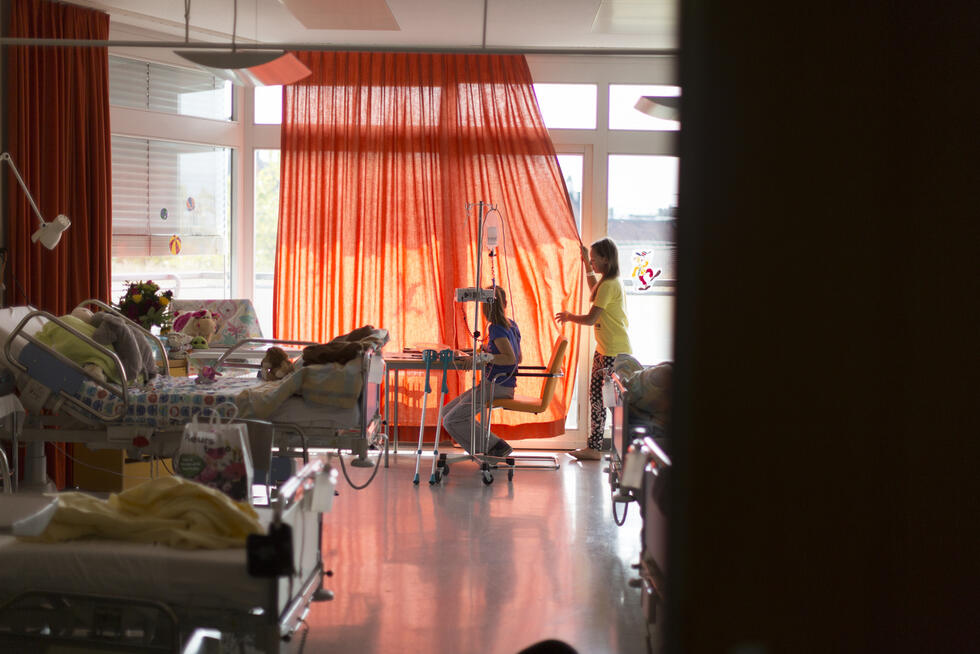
(57, 116)
(381, 154)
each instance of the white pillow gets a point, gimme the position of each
(10, 317)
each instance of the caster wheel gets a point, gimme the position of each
(445, 470)
(510, 475)
(487, 479)
(438, 476)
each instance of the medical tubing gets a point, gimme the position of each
(377, 462)
(626, 507)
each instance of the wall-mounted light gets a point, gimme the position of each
(49, 233)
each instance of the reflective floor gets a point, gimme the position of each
(467, 567)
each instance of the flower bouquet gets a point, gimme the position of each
(145, 304)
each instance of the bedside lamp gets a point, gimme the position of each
(49, 233)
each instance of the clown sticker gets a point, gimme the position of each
(643, 271)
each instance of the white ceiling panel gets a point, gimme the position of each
(615, 24)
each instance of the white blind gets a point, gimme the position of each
(162, 189)
(170, 89)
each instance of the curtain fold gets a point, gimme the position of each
(383, 156)
(57, 132)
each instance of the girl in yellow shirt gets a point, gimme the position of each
(608, 315)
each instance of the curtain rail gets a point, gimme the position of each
(206, 45)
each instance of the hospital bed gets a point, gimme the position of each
(67, 403)
(102, 595)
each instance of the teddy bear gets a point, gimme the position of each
(275, 364)
(195, 324)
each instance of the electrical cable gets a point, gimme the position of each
(377, 464)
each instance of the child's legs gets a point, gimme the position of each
(457, 416)
(597, 410)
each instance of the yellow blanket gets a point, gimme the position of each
(167, 510)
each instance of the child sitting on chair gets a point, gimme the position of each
(502, 351)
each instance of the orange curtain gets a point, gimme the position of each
(381, 155)
(57, 111)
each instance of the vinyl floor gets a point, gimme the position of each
(467, 567)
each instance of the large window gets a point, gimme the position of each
(171, 216)
(643, 222)
(266, 226)
(567, 106)
(155, 87)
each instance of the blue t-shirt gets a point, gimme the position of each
(512, 334)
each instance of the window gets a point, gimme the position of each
(171, 216)
(169, 89)
(567, 106)
(266, 225)
(622, 107)
(643, 221)
(268, 106)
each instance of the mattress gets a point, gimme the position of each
(167, 401)
(189, 579)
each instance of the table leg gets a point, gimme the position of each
(396, 412)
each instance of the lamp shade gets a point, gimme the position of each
(667, 108)
(50, 233)
(249, 67)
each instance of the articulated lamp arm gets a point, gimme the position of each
(49, 233)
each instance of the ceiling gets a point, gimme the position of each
(614, 25)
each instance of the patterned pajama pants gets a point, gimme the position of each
(597, 413)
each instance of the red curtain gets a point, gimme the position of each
(381, 154)
(57, 113)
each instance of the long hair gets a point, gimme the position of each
(494, 311)
(606, 248)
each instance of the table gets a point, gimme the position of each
(404, 361)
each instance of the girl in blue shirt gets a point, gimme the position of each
(502, 350)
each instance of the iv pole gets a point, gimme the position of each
(476, 311)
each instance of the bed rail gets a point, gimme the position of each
(45, 380)
(150, 336)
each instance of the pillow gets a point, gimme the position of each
(10, 317)
(69, 345)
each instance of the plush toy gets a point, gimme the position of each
(275, 364)
(208, 375)
(201, 323)
(129, 343)
(199, 343)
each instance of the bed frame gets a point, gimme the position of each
(49, 381)
(287, 572)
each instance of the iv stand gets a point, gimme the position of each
(481, 207)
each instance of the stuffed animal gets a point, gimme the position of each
(129, 343)
(275, 364)
(199, 343)
(201, 323)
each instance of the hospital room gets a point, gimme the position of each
(456, 324)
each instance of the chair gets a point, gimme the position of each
(525, 404)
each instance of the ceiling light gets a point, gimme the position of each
(249, 67)
(252, 67)
(666, 108)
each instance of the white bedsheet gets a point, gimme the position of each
(187, 578)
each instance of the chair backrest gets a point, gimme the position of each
(554, 368)
(539, 404)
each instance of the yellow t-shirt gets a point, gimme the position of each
(610, 332)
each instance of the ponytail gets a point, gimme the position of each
(494, 311)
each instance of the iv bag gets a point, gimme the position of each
(493, 231)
